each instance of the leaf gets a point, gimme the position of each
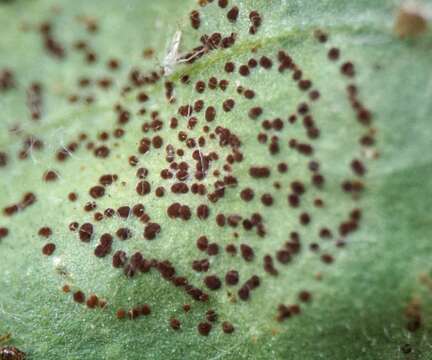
(366, 272)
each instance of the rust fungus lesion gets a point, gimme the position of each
(200, 155)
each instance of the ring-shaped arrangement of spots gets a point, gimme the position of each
(217, 168)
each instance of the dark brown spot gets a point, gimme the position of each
(86, 232)
(45, 232)
(204, 328)
(175, 324)
(143, 188)
(151, 230)
(79, 297)
(227, 327)
(233, 13)
(48, 249)
(97, 192)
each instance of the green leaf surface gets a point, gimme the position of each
(367, 287)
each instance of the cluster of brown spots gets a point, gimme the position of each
(201, 159)
(27, 200)
(286, 311)
(66, 151)
(252, 283)
(51, 44)
(92, 301)
(201, 265)
(256, 20)
(364, 115)
(137, 263)
(104, 246)
(176, 210)
(269, 266)
(208, 43)
(89, 55)
(259, 172)
(134, 313)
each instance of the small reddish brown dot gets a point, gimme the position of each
(244, 70)
(232, 277)
(305, 296)
(143, 188)
(48, 249)
(151, 230)
(212, 282)
(229, 67)
(145, 310)
(233, 13)
(223, 3)
(334, 54)
(86, 232)
(203, 211)
(3, 232)
(120, 314)
(50, 176)
(97, 192)
(79, 297)
(92, 301)
(347, 69)
(175, 324)
(204, 328)
(45, 232)
(327, 258)
(227, 327)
